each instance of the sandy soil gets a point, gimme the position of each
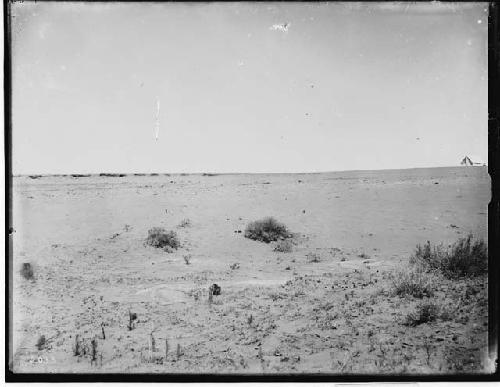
(278, 312)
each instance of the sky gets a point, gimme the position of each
(247, 87)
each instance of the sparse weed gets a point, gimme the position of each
(78, 348)
(428, 350)
(426, 312)
(284, 246)
(196, 294)
(132, 317)
(93, 352)
(313, 257)
(416, 283)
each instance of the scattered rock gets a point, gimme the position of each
(215, 289)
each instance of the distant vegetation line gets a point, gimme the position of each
(109, 174)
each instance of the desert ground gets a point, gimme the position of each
(325, 307)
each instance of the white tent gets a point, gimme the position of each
(472, 161)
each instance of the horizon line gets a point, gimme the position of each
(123, 174)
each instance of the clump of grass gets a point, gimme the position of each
(234, 266)
(464, 258)
(160, 238)
(416, 283)
(284, 246)
(267, 230)
(313, 257)
(426, 312)
(27, 271)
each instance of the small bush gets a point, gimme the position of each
(160, 238)
(27, 271)
(41, 343)
(266, 230)
(466, 258)
(463, 258)
(234, 266)
(426, 312)
(284, 246)
(415, 283)
(313, 257)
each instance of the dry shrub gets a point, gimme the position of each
(463, 259)
(267, 230)
(284, 246)
(426, 312)
(27, 271)
(41, 343)
(313, 257)
(416, 283)
(466, 258)
(160, 238)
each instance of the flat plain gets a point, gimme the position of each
(326, 306)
